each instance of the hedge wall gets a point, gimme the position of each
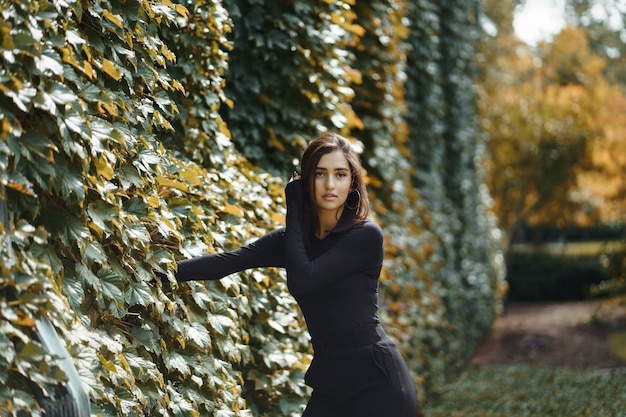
(137, 133)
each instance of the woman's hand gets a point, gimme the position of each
(166, 285)
(294, 192)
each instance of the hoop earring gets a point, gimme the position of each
(358, 201)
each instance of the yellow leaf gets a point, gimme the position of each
(355, 121)
(116, 224)
(278, 218)
(17, 82)
(6, 126)
(168, 223)
(87, 52)
(340, 20)
(5, 36)
(96, 229)
(182, 10)
(110, 108)
(125, 365)
(68, 56)
(169, 55)
(109, 68)
(24, 320)
(234, 210)
(178, 86)
(88, 70)
(266, 99)
(103, 168)
(166, 182)
(129, 40)
(20, 188)
(192, 175)
(181, 341)
(107, 364)
(113, 18)
(275, 142)
(162, 120)
(223, 128)
(153, 201)
(356, 29)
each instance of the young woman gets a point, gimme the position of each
(333, 254)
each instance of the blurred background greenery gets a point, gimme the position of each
(554, 114)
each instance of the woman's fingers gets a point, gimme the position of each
(295, 176)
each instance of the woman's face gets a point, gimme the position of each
(332, 181)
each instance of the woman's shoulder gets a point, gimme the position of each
(368, 227)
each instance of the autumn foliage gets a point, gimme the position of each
(554, 125)
(135, 133)
(553, 115)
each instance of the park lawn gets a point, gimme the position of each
(584, 248)
(617, 343)
(531, 391)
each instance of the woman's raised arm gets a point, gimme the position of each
(268, 251)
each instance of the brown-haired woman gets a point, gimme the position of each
(333, 254)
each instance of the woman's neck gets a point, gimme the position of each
(322, 233)
(327, 221)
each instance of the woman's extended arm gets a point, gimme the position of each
(359, 248)
(265, 252)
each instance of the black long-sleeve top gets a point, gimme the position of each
(334, 280)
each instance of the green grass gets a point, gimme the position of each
(531, 391)
(617, 343)
(584, 248)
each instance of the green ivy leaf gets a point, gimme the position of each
(197, 333)
(138, 292)
(110, 285)
(220, 323)
(73, 290)
(31, 352)
(61, 94)
(84, 273)
(176, 362)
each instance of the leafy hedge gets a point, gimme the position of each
(116, 159)
(460, 247)
(289, 75)
(538, 276)
(97, 201)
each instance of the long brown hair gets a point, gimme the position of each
(357, 207)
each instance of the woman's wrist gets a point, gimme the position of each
(294, 194)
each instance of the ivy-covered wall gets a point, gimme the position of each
(289, 76)
(137, 133)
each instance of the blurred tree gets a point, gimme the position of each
(499, 15)
(604, 22)
(606, 184)
(555, 117)
(540, 111)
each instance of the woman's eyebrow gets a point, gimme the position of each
(336, 169)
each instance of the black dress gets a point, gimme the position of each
(357, 371)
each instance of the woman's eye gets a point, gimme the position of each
(319, 174)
